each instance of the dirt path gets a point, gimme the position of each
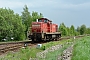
(67, 54)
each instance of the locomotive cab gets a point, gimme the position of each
(45, 20)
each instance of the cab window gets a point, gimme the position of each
(39, 20)
(45, 21)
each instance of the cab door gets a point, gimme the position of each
(49, 26)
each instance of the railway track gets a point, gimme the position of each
(11, 46)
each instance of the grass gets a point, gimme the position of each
(53, 55)
(25, 54)
(81, 49)
(49, 44)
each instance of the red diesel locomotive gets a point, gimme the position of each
(44, 29)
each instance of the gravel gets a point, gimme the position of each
(51, 49)
(66, 55)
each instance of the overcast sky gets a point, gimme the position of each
(71, 12)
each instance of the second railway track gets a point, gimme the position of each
(11, 46)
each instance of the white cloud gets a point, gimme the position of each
(75, 6)
(10, 4)
(39, 3)
(60, 10)
(14, 4)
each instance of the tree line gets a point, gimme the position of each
(72, 31)
(14, 26)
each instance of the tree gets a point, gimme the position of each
(19, 28)
(26, 18)
(82, 29)
(72, 30)
(2, 27)
(78, 30)
(10, 25)
(63, 29)
(68, 29)
(88, 30)
(35, 16)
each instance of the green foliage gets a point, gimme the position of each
(10, 25)
(88, 30)
(24, 54)
(63, 29)
(72, 30)
(28, 18)
(53, 55)
(35, 16)
(66, 31)
(13, 25)
(81, 49)
(27, 53)
(82, 29)
(2, 27)
(78, 29)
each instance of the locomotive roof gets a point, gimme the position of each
(45, 19)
